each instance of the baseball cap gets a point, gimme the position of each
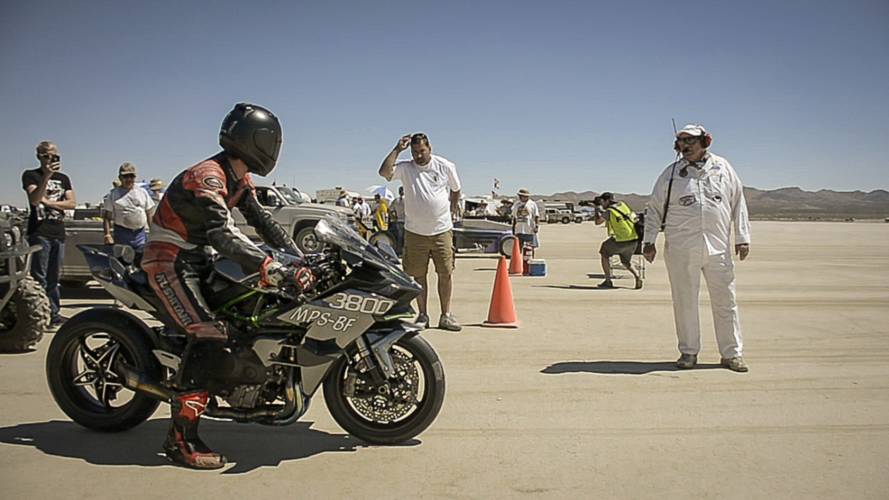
(127, 168)
(692, 130)
(156, 184)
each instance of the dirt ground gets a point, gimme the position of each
(581, 402)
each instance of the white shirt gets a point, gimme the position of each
(427, 189)
(703, 207)
(524, 215)
(361, 210)
(128, 207)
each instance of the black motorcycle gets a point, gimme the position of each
(108, 370)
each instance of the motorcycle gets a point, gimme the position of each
(108, 370)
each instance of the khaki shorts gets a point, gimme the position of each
(418, 249)
(624, 248)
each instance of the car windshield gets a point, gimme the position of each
(290, 197)
(335, 232)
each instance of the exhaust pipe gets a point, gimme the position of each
(138, 381)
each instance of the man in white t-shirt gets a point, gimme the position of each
(127, 209)
(431, 197)
(526, 219)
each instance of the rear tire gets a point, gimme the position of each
(385, 433)
(68, 382)
(25, 317)
(566, 220)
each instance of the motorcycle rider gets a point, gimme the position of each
(194, 216)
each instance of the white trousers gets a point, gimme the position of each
(684, 268)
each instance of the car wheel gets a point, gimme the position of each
(307, 241)
(507, 245)
(566, 220)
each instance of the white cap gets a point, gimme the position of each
(692, 130)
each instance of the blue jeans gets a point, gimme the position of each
(398, 233)
(46, 267)
(135, 238)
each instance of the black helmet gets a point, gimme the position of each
(252, 134)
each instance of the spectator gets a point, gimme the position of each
(343, 200)
(49, 194)
(622, 239)
(362, 214)
(396, 220)
(156, 190)
(381, 213)
(127, 209)
(432, 196)
(526, 219)
(704, 201)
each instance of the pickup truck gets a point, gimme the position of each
(286, 205)
(563, 215)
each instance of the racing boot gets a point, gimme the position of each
(183, 446)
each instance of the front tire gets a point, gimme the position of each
(80, 370)
(382, 238)
(25, 317)
(387, 419)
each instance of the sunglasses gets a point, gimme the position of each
(47, 156)
(688, 140)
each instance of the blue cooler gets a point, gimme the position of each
(537, 267)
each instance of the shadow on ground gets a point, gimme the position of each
(580, 287)
(248, 446)
(620, 367)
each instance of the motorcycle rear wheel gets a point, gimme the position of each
(81, 376)
(414, 359)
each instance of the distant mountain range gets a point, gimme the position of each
(783, 203)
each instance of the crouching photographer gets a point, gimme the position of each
(622, 240)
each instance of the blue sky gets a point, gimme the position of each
(552, 96)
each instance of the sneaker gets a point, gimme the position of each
(423, 320)
(687, 361)
(449, 322)
(735, 364)
(606, 284)
(638, 283)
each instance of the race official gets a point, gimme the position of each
(706, 201)
(126, 210)
(432, 196)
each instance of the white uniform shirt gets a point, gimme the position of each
(128, 207)
(524, 215)
(427, 190)
(703, 207)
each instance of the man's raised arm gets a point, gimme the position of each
(388, 166)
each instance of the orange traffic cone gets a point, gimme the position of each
(502, 310)
(516, 265)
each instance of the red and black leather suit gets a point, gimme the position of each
(194, 214)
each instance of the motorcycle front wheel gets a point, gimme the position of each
(393, 412)
(80, 370)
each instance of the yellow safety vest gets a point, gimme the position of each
(619, 226)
